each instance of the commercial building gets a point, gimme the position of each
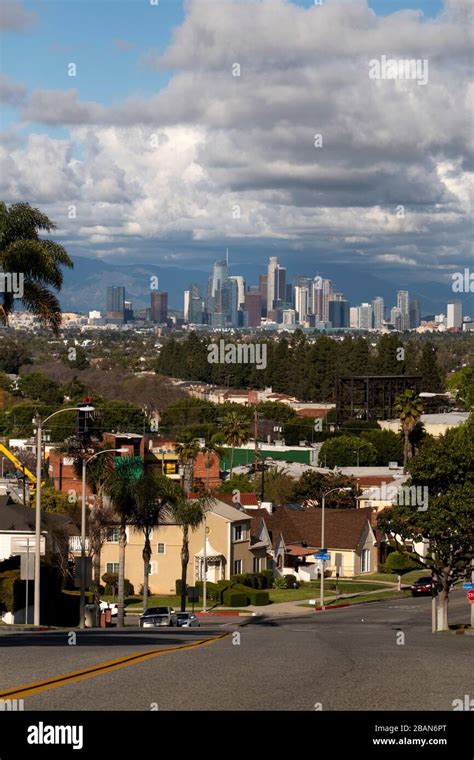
(159, 307)
(454, 315)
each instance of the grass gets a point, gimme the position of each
(361, 598)
(310, 590)
(408, 578)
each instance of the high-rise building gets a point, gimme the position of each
(339, 313)
(415, 314)
(365, 316)
(301, 302)
(187, 298)
(253, 309)
(403, 303)
(396, 318)
(196, 311)
(289, 294)
(116, 302)
(232, 288)
(289, 317)
(454, 315)
(263, 288)
(281, 284)
(240, 289)
(159, 307)
(272, 282)
(378, 310)
(128, 311)
(354, 316)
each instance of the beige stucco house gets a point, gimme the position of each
(228, 550)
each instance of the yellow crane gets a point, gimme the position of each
(23, 469)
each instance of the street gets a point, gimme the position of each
(354, 658)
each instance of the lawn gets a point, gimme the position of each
(360, 599)
(310, 590)
(409, 578)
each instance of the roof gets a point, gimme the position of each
(20, 518)
(301, 551)
(343, 527)
(227, 512)
(245, 499)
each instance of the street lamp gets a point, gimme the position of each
(39, 443)
(347, 488)
(85, 462)
(356, 451)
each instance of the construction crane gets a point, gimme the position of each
(19, 466)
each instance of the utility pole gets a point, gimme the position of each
(256, 438)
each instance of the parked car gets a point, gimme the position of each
(155, 617)
(109, 606)
(187, 620)
(423, 586)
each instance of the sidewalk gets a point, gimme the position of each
(292, 608)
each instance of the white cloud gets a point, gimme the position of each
(14, 17)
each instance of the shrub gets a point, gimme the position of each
(400, 563)
(253, 596)
(291, 580)
(280, 582)
(111, 585)
(269, 576)
(12, 592)
(233, 598)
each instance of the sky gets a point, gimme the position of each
(132, 125)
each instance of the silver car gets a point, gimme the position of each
(187, 620)
(155, 617)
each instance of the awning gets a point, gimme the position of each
(211, 553)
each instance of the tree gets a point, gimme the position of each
(409, 408)
(347, 451)
(211, 449)
(37, 387)
(187, 451)
(23, 254)
(14, 353)
(429, 370)
(278, 485)
(461, 383)
(236, 433)
(388, 444)
(400, 563)
(238, 482)
(444, 465)
(309, 490)
(153, 493)
(119, 486)
(189, 514)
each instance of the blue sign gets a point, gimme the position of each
(323, 557)
(468, 586)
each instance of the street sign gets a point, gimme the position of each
(193, 594)
(27, 545)
(470, 596)
(27, 567)
(323, 557)
(83, 565)
(468, 586)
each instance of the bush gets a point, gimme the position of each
(280, 582)
(233, 598)
(253, 596)
(12, 591)
(269, 576)
(111, 585)
(400, 563)
(291, 581)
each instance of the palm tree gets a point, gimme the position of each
(189, 513)
(187, 451)
(409, 408)
(38, 261)
(153, 494)
(236, 433)
(120, 487)
(211, 449)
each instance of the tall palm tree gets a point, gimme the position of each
(120, 487)
(187, 451)
(189, 514)
(38, 261)
(236, 433)
(409, 408)
(211, 449)
(153, 494)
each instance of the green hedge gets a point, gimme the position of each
(254, 580)
(232, 598)
(253, 596)
(12, 591)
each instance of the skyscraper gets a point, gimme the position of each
(301, 302)
(378, 310)
(240, 289)
(454, 315)
(263, 288)
(187, 298)
(116, 302)
(159, 307)
(253, 309)
(403, 303)
(339, 311)
(272, 283)
(396, 318)
(365, 316)
(415, 314)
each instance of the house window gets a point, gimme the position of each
(113, 535)
(112, 567)
(237, 566)
(365, 561)
(239, 532)
(256, 564)
(160, 549)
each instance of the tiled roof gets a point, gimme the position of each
(245, 499)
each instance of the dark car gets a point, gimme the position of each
(423, 586)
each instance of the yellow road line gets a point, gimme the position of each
(98, 670)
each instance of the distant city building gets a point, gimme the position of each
(196, 311)
(272, 282)
(240, 289)
(378, 311)
(354, 316)
(415, 314)
(263, 288)
(289, 317)
(301, 302)
(187, 298)
(403, 303)
(339, 313)
(253, 309)
(396, 318)
(159, 307)
(365, 316)
(116, 303)
(454, 315)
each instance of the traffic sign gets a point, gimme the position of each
(323, 557)
(470, 596)
(468, 586)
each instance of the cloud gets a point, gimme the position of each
(11, 93)
(124, 46)
(14, 17)
(214, 156)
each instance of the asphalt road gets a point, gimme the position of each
(354, 658)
